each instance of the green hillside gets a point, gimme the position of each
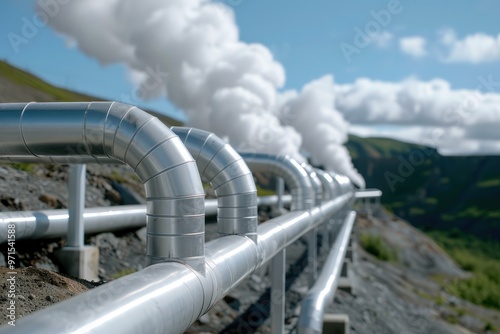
(17, 85)
(430, 190)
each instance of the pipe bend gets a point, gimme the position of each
(93, 132)
(329, 185)
(230, 178)
(291, 171)
(315, 182)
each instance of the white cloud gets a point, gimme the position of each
(413, 45)
(476, 48)
(382, 39)
(427, 112)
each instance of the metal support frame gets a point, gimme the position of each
(76, 205)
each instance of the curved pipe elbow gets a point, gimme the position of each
(329, 185)
(229, 176)
(115, 132)
(291, 171)
(315, 182)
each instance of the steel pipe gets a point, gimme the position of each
(171, 296)
(230, 178)
(343, 181)
(47, 224)
(321, 294)
(368, 193)
(295, 176)
(329, 185)
(315, 182)
(115, 132)
(312, 237)
(76, 205)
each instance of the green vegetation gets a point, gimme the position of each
(27, 167)
(123, 272)
(481, 259)
(489, 183)
(264, 192)
(374, 245)
(27, 79)
(431, 200)
(416, 211)
(41, 91)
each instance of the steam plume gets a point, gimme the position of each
(189, 51)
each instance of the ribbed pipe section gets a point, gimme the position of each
(343, 181)
(321, 294)
(330, 190)
(229, 176)
(169, 297)
(115, 132)
(296, 178)
(315, 182)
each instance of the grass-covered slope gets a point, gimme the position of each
(17, 85)
(430, 190)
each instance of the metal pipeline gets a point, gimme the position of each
(321, 294)
(46, 224)
(368, 193)
(171, 296)
(315, 182)
(329, 185)
(295, 176)
(230, 178)
(115, 132)
(343, 181)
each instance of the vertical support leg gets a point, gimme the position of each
(278, 293)
(76, 205)
(77, 259)
(312, 256)
(280, 190)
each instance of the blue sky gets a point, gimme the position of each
(306, 37)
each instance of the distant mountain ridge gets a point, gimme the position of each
(430, 190)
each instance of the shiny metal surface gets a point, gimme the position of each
(274, 200)
(111, 132)
(295, 176)
(76, 205)
(368, 193)
(315, 182)
(169, 297)
(230, 178)
(329, 185)
(47, 224)
(311, 314)
(343, 181)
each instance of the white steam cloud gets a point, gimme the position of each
(324, 130)
(189, 51)
(455, 121)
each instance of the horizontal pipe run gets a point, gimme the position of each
(47, 224)
(171, 296)
(321, 294)
(368, 193)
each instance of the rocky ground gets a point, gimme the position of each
(389, 297)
